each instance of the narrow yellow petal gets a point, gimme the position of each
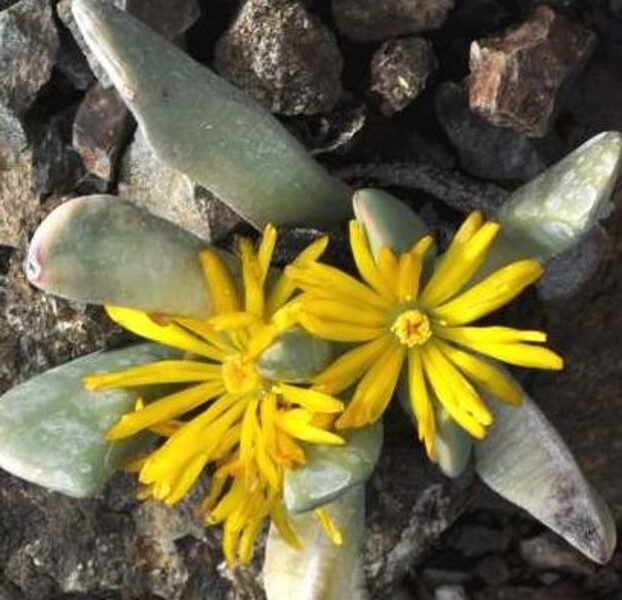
(296, 423)
(168, 334)
(266, 249)
(284, 287)
(220, 283)
(252, 277)
(331, 530)
(164, 371)
(233, 321)
(493, 380)
(247, 541)
(332, 309)
(469, 228)
(338, 332)
(488, 295)
(279, 518)
(495, 335)
(365, 262)
(387, 264)
(409, 275)
(312, 400)
(351, 366)
(187, 478)
(164, 409)
(207, 332)
(421, 403)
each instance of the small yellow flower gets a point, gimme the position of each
(394, 318)
(246, 425)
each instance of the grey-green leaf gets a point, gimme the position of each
(524, 459)
(52, 428)
(332, 470)
(319, 570)
(453, 445)
(556, 210)
(208, 129)
(295, 356)
(108, 251)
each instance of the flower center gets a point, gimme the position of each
(240, 375)
(412, 328)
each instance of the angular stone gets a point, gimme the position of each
(371, 20)
(399, 71)
(100, 129)
(484, 150)
(517, 77)
(166, 192)
(547, 552)
(168, 18)
(282, 56)
(13, 140)
(28, 44)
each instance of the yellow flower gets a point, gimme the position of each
(246, 425)
(394, 318)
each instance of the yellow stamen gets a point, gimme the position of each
(239, 375)
(412, 328)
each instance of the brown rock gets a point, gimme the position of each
(399, 71)
(372, 20)
(516, 78)
(282, 56)
(100, 130)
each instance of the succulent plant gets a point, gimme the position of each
(152, 276)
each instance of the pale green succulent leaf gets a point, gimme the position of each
(52, 428)
(104, 250)
(206, 128)
(524, 459)
(319, 568)
(453, 445)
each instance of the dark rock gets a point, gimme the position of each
(100, 129)
(516, 78)
(282, 56)
(562, 591)
(477, 540)
(171, 19)
(334, 132)
(170, 194)
(436, 577)
(493, 570)
(484, 150)
(371, 20)
(400, 70)
(72, 63)
(13, 140)
(548, 552)
(450, 592)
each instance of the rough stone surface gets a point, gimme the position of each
(371, 20)
(13, 140)
(100, 130)
(282, 56)
(516, 78)
(399, 71)
(484, 150)
(548, 552)
(148, 182)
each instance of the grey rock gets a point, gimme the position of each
(171, 19)
(13, 140)
(484, 150)
(478, 540)
(100, 129)
(370, 20)
(493, 570)
(72, 63)
(168, 193)
(282, 56)
(399, 71)
(548, 552)
(450, 592)
(517, 77)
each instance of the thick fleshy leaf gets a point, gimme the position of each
(556, 210)
(387, 221)
(332, 470)
(52, 428)
(452, 444)
(320, 569)
(108, 251)
(203, 126)
(524, 459)
(295, 356)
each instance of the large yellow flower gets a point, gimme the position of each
(398, 319)
(245, 424)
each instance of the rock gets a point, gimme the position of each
(477, 540)
(450, 592)
(100, 129)
(13, 140)
(561, 591)
(168, 18)
(484, 150)
(282, 56)
(370, 20)
(517, 77)
(548, 552)
(19, 203)
(493, 570)
(168, 193)
(28, 44)
(72, 63)
(399, 71)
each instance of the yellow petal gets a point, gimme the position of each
(331, 530)
(338, 332)
(332, 309)
(487, 376)
(279, 518)
(351, 366)
(495, 335)
(266, 249)
(164, 409)
(164, 371)
(205, 330)
(495, 291)
(247, 541)
(312, 400)
(233, 321)
(220, 283)
(186, 480)
(469, 228)
(252, 277)
(296, 423)
(409, 275)
(168, 334)
(421, 403)
(387, 264)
